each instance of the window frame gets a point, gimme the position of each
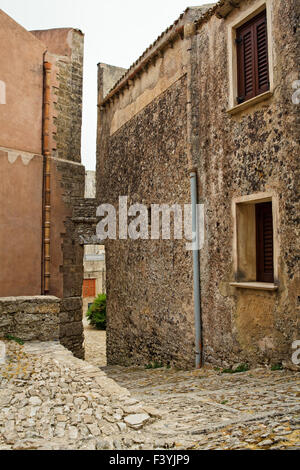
(238, 18)
(255, 199)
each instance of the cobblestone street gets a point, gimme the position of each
(51, 400)
(258, 409)
(205, 409)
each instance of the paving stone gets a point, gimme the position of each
(136, 420)
(164, 408)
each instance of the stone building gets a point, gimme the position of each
(42, 181)
(211, 98)
(94, 256)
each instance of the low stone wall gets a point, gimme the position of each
(44, 318)
(30, 318)
(71, 327)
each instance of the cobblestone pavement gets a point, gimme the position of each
(258, 409)
(206, 409)
(94, 345)
(51, 400)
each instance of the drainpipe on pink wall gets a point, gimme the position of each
(46, 182)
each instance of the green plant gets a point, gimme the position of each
(154, 365)
(239, 369)
(276, 367)
(242, 368)
(96, 314)
(13, 338)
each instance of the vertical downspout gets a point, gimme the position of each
(46, 181)
(189, 32)
(196, 270)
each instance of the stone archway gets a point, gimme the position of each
(94, 275)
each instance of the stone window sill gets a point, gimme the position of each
(255, 285)
(257, 99)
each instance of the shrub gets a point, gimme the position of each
(154, 365)
(277, 367)
(14, 338)
(238, 370)
(96, 313)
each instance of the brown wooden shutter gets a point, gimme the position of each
(264, 242)
(262, 61)
(252, 58)
(246, 71)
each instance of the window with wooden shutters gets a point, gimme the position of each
(264, 242)
(252, 58)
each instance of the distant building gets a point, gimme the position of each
(94, 256)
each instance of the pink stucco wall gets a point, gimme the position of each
(21, 69)
(20, 223)
(58, 40)
(21, 163)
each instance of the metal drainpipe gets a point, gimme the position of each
(189, 32)
(196, 270)
(46, 185)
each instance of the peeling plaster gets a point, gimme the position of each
(13, 156)
(2, 92)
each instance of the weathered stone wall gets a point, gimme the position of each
(85, 221)
(253, 151)
(149, 283)
(69, 103)
(171, 115)
(65, 53)
(108, 75)
(90, 184)
(68, 188)
(30, 318)
(71, 327)
(44, 318)
(66, 250)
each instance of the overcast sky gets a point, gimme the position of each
(116, 32)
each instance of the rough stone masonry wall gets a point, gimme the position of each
(30, 318)
(67, 185)
(149, 283)
(253, 151)
(69, 102)
(85, 221)
(43, 318)
(71, 327)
